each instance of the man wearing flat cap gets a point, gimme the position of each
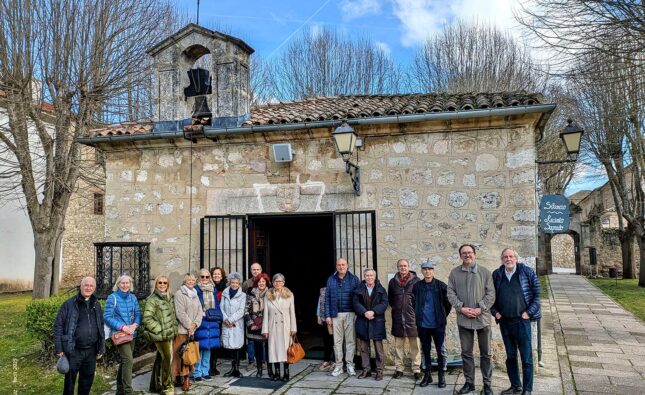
(431, 308)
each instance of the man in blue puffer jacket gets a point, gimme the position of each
(517, 303)
(339, 311)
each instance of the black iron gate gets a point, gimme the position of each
(223, 243)
(116, 258)
(355, 240)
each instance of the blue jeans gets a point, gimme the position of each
(204, 363)
(250, 349)
(516, 333)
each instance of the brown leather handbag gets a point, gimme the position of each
(121, 338)
(295, 352)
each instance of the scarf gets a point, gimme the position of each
(232, 292)
(404, 279)
(207, 293)
(191, 293)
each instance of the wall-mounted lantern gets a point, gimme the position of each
(571, 137)
(345, 138)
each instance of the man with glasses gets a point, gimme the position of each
(472, 293)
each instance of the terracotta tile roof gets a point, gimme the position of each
(364, 106)
(124, 128)
(358, 106)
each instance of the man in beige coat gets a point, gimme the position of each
(472, 293)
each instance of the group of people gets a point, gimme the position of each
(221, 311)
(215, 311)
(355, 309)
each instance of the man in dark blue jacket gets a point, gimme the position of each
(517, 303)
(78, 334)
(431, 308)
(339, 311)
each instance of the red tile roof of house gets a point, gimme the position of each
(357, 106)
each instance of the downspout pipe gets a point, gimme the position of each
(285, 127)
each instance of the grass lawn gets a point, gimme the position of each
(19, 371)
(544, 287)
(627, 293)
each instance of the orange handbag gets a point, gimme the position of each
(295, 352)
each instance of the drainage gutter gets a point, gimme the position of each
(285, 127)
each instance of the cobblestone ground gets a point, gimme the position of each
(601, 346)
(306, 379)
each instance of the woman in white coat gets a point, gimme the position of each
(279, 325)
(233, 304)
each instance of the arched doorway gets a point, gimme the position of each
(565, 253)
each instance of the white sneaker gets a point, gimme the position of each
(350, 370)
(337, 371)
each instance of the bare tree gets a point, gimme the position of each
(576, 28)
(474, 57)
(87, 56)
(327, 63)
(614, 114)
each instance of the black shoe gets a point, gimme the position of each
(525, 392)
(466, 389)
(276, 371)
(259, 371)
(398, 375)
(285, 376)
(511, 390)
(365, 373)
(487, 390)
(442, 379)
(427, 379)
(230, 372)
(270, 370)
(417, 376)
(213, 372)
(197, 379)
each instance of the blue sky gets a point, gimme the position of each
(398, 26)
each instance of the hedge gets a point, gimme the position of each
(40, 317)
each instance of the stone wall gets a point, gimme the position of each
(562, 251)
(431, 192)
(82, 227)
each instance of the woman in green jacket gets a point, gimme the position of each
(160, 327)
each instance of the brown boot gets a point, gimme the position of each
(186, 385)
(379, 376)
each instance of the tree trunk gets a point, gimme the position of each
(641, 249)
(626, 238)
(45, 249)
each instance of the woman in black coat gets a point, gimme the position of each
(370, 303)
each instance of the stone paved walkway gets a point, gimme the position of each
(601, 346)
(307, 380)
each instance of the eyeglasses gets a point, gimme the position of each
(162, 283)
(205, 276)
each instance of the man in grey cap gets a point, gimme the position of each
(431, 307)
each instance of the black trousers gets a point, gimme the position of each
(328, 343)
(82, 363)
(427, 335)
(261, 348)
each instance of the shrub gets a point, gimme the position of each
(40, 317)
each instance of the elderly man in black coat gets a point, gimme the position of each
(370, 303)
(78, 335)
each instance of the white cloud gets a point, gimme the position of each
(357, 8)
(384, 47)
(421, 18)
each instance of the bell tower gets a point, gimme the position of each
(223, 90)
